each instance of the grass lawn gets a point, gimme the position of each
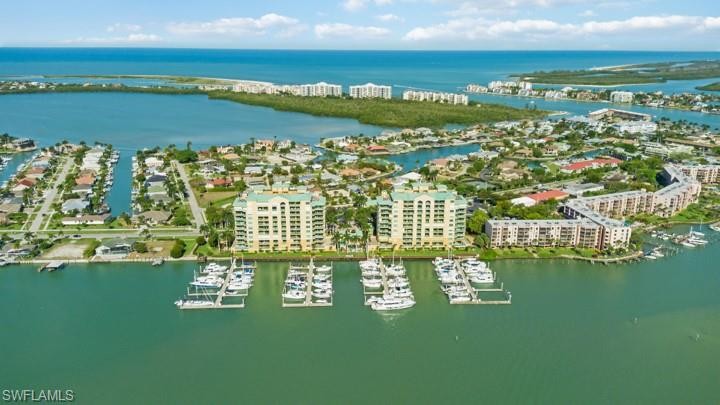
(217, 198)
(156, 249)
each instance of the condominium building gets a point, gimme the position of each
(620, 205)
(279, 218)
(621, 97)
(450, 98)
(421, 215)
(682, 191)
(597, 221)
(705, 174)
(543, 233)
(321, 89)
(370, 90)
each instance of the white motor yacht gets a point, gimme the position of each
(294, 295)
(372, 282)
(483, 278)
(193, 303)
(322, 293)
(392, 304)
(323, 269)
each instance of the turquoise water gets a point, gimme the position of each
(433, 70)
(111, 333)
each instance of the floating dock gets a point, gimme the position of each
(307, 273)
(215, 299)
(475, 298)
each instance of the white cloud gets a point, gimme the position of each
(120, 27)
(136, 38)
(638, 23)
(476, 28)
(355, 5)
(468, 8)
(389, 18)
(282, 25)
(711, 23)
(346, 30)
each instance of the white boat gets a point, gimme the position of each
(459, 298)
(206, 284)
(322, 293)
(687, 244)
(193, 303)
(371, 273)
(400, 293)
(372, 282)
(321, 277)
(322, 285)
(238, 286)
(398, 282)
(214, 268)
(483, 278)
(323, 269)
(715, 227)
(442, 261)
(392, 304)
(294, 295)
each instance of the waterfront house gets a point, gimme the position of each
(74, 204)
(590, 164)
(154, 217)
(87, 220)
(537, 198)
(82, 189)
(85, 179)
(153, 162)
(219, 182)
(114, 249)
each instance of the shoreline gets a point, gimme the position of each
(339, 258)
(592, 101)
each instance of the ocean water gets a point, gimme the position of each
(111, 334)
(433, 70)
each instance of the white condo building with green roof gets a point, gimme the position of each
(421, 215)
(279, 218)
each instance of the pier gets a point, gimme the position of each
(394, 284)
(458, 279)
(475, 298)
(216, 299)
(301, 278)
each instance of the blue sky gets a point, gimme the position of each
(366, 24)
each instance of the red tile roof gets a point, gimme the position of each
(591, 164)
(549, 195)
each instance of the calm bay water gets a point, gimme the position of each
(111, 333)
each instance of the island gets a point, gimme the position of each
(628, 74)
(710, 87)
(372, 109)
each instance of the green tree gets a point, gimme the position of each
(476, 222)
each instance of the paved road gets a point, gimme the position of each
(50, 195)
(194, 206)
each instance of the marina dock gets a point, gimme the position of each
(308, 286)
(465, 281)
(216, 298)
(476, 299)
